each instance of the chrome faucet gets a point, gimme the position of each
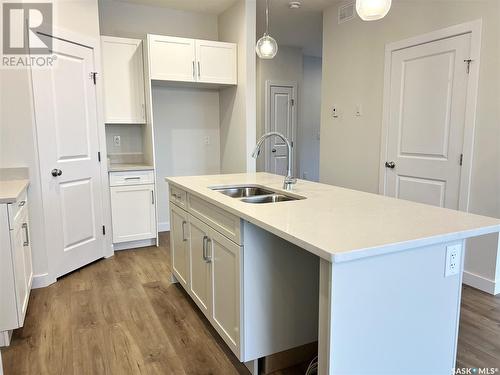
(289, 179)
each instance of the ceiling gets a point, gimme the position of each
(302, 28)
(202, 6)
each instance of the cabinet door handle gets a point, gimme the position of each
(184, 222)
(22, 203)
(152, 197)
(209, 257)
(199, 70)
(205, 240)
(26, 233)
(194, 74)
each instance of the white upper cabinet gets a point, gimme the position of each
(191, 60)
(123, 75)
(171, 58)
(216, 62)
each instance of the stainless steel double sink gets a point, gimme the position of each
(255, 194)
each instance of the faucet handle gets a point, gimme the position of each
(289, 181)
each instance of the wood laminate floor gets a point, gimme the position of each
(122, 316)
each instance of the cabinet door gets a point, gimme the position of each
(201, 278)
(171, 58)
(123, 76)
(216, 62)
(133, 213)
(179, 244)
(226, 271)
(22, 265)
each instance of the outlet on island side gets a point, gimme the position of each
(453, 259)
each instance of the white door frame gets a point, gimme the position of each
(94, 44)
(267, 122)
(475, 29)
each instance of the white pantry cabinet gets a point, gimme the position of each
(16, 270)
(133, 209)
(192, 60)
(123, 77)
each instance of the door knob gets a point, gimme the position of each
(56, 172)
(390, 164)
(273, 150)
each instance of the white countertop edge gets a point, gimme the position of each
(17, 191)
(348, 255)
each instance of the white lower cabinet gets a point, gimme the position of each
(16, 270)
(179, 244)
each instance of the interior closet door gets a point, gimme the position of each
(68, 145)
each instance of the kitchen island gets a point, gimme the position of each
(382, 276)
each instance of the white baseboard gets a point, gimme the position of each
(164, 227)
(481, 283)
(42, 280)
(134, 244)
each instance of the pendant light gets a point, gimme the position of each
(371, 10)
(266, 46)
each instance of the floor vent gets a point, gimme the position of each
(346, 12)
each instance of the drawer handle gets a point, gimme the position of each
(26, 233)
(22, 203)
(131, 178)
(184, 222)
(176, 196)
(209, 257)
(204, 254)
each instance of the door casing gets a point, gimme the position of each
(475, 29)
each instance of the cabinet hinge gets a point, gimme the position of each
(99, 156)
(93, 77)
(103, 230)
(468, 62)
(292, 102)
(461, 159)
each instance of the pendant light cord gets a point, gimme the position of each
(267, 17)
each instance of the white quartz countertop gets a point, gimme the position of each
(123, 167)
(11, 190)
(339, 224)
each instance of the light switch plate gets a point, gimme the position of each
(453, 259)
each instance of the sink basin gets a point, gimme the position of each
(243, 191)
(273, 198)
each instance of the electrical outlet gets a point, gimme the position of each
(206, 140)
(117, 140)
(453, 259)
(358, 111)
(335, 112)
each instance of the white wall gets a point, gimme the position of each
(119, 18)
(310, 119)
(353, 72)
(238, 104)
(181, 131)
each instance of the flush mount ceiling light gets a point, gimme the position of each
(266, 47)
(371, 10)
(294, 4)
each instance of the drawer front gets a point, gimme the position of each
(16, 210)
(225, 223)
(178, 196)
(131, 178)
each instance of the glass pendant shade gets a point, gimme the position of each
(266, 47)
(371, 10)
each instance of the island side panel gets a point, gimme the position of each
(396, 313)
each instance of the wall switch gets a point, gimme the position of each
(117, 140)
(206, 140)
(453, 259)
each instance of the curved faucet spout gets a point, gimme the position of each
(289, 179)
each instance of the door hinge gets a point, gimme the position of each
(461, 159)
(291, 143)
(93, 77)
(468, 62)
(292, 102)
(99, 156)
(103, 230)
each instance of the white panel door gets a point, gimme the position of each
(66, 117)
(123, 77)
(226, 270)
(171, 58)
(216, 62)
(179, 244)
(133, 212)
(281, 118)
(200, 287)
(426, 122)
